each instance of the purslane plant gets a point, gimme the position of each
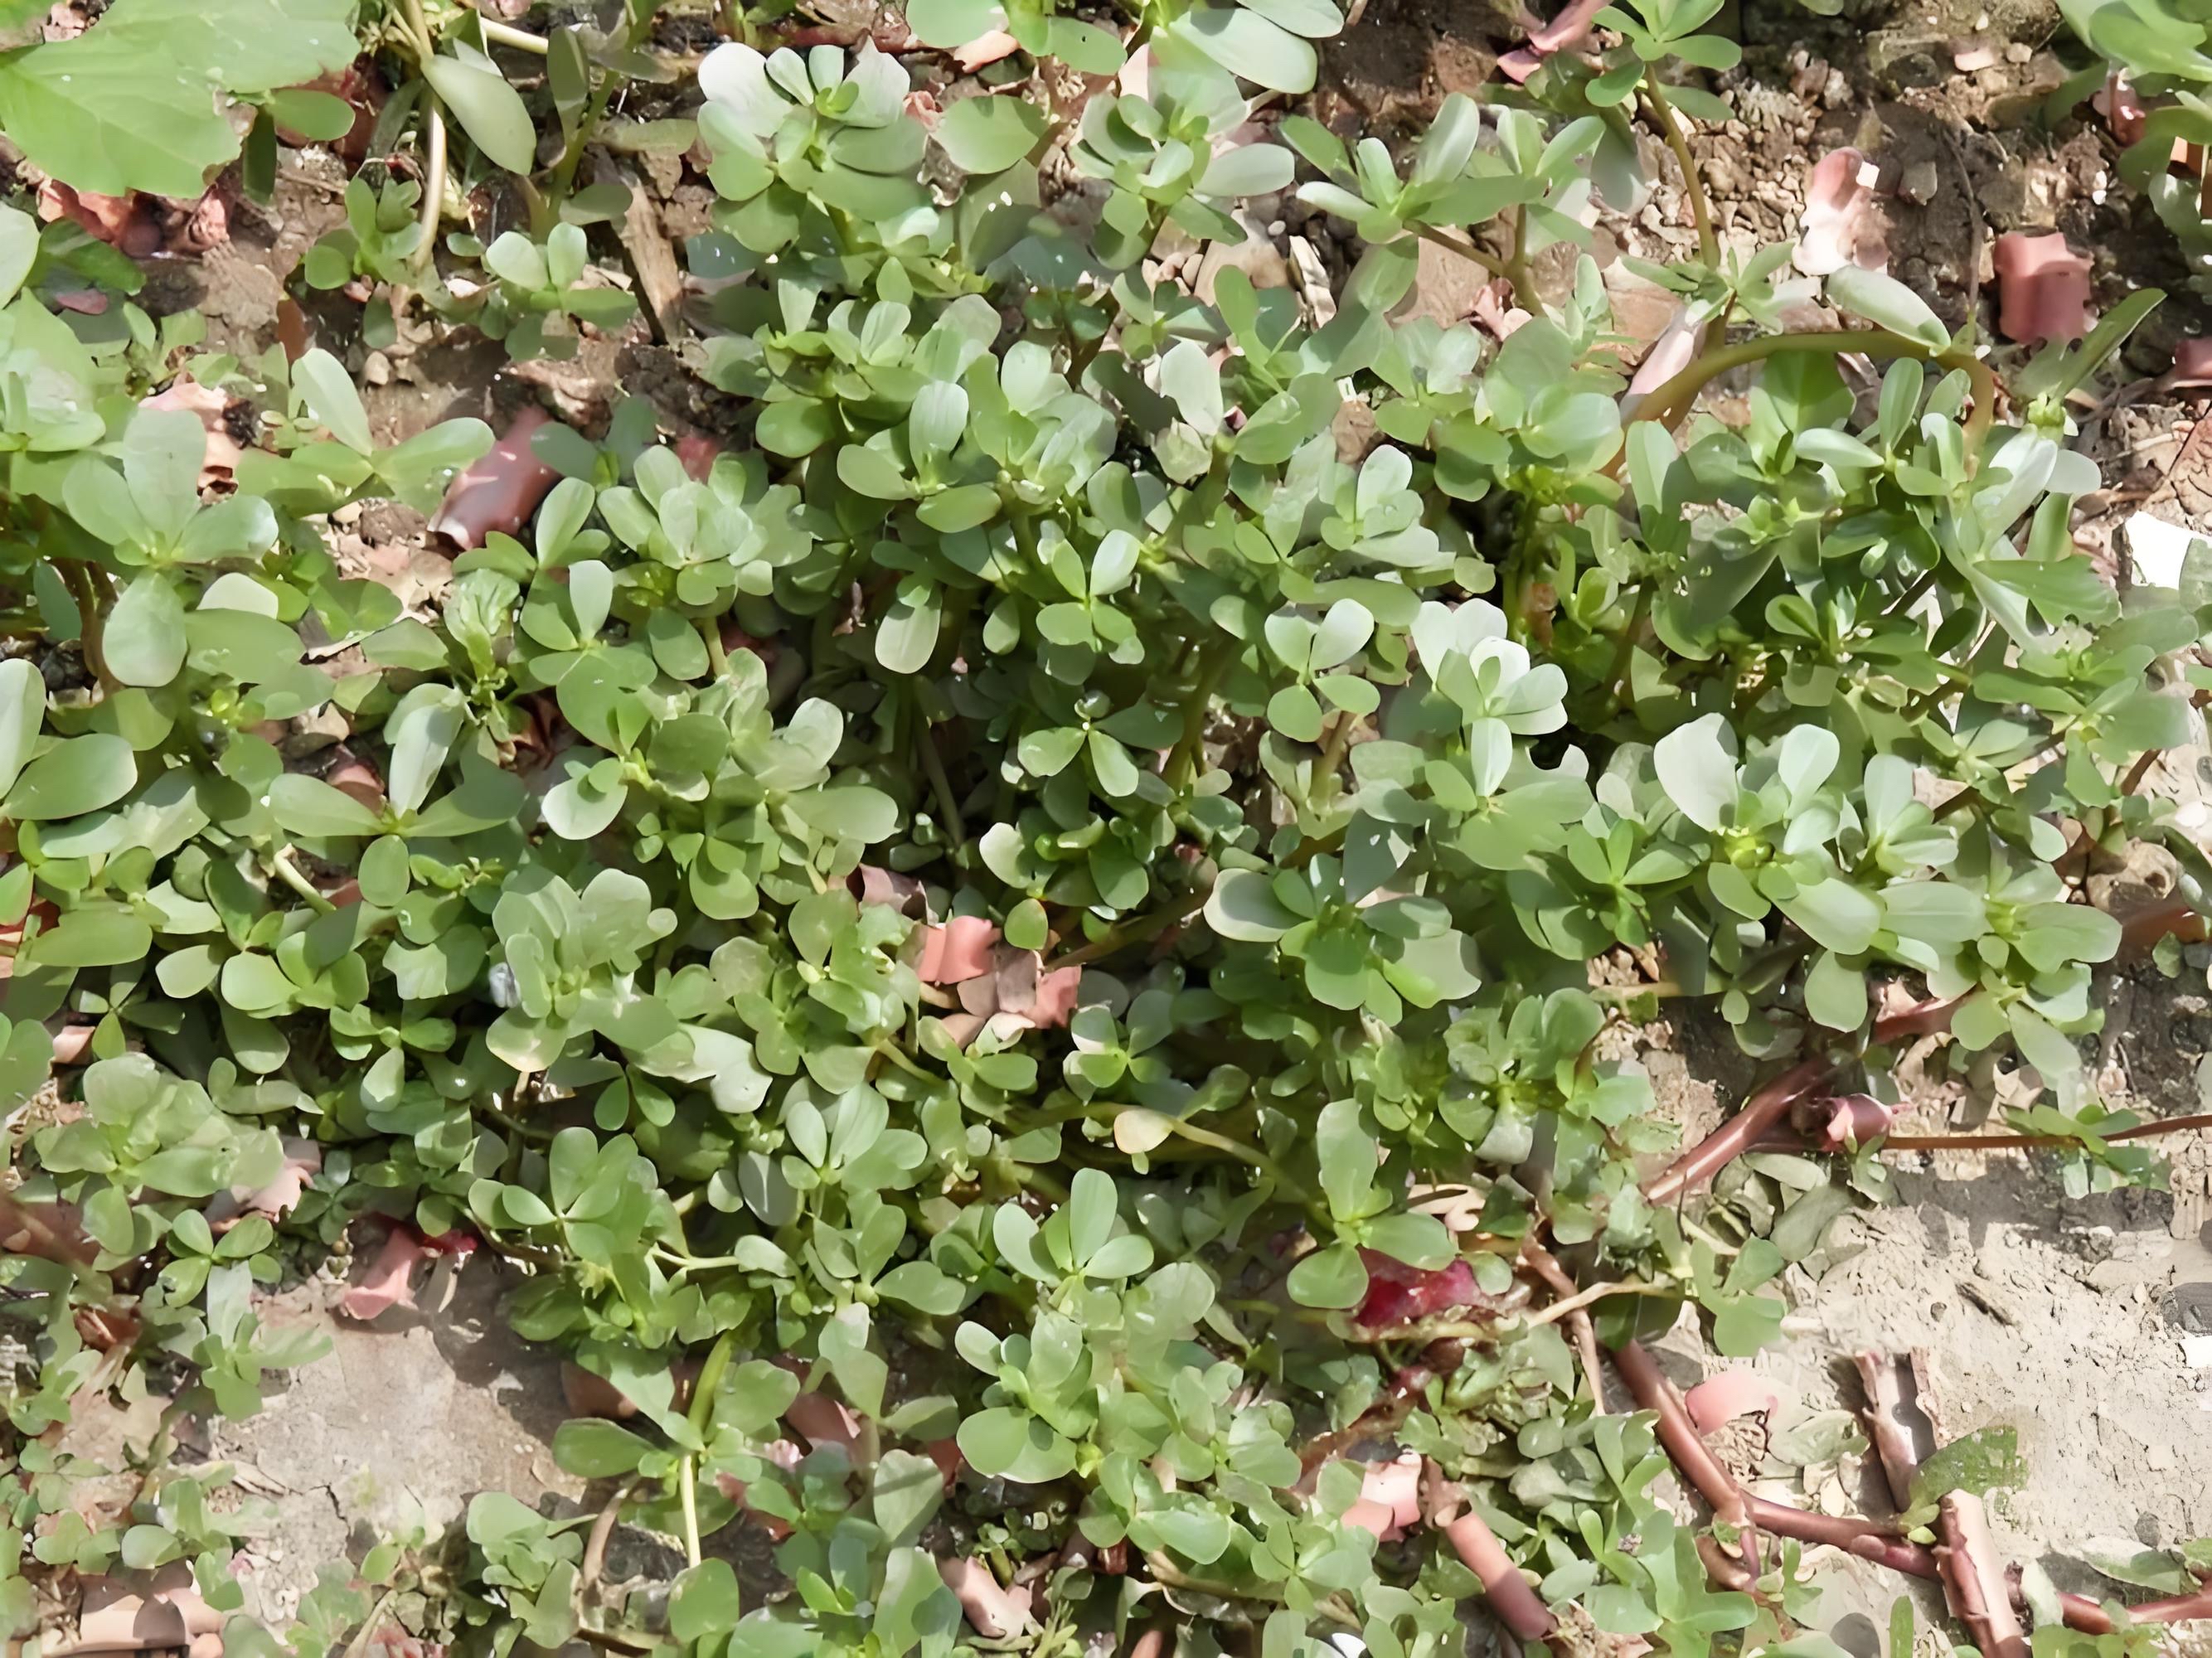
(1012, 951)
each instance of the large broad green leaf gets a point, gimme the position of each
(331, 398)
(103, 115)
(242, 46)
(990, 134)
(99, 935)
(1251, 46)
(489, 110)
(22, 711)
(144, 640)
(72, 778)
(19, 247)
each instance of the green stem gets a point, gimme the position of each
(496, 33)
(90, 619)
(688, 1478)
(1489, 262)
(1191, 747)
(1701, 213)
(940, 786)
(1516, 267)
(1661, 988)
(289, 873)
(417, 29)
(693, 1263)
(433, 179)
(898, 1056)
(1134, 931)
(1624, 655)
(1339, 738)
(1911, 596)
(1245, 1154)
(710, 632)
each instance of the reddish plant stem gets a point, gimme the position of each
(1767, 1108)
(1518, 1605)
(1917, 1020)
(1870, 1540)
(2175, 1609)
(1867, 1539)
(1973, 1577)
(1678, 1436)
(1877, 1373)
(1380, 1419)
(2141, 1131)
(1735, 1137)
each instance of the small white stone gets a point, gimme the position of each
(2158, 549)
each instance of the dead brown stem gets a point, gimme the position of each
(1974, 1577)
(1892, 1440)
(1579, 1327)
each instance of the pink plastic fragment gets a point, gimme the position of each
(1518, 65)
(1719, 1399)
(1969, 57)
(985, 48)
(387, 1283)
(1839, 226)
(2192, 363)
(1055, 997)
(2043, 288)
(303, 1161)
(1568, 28)
(696, 452)
(957, 951)
(1562, 34)
(125, 222)
(168, 1613)
(2122, 108)
(878, 885)
(823, 1421)
(1396, 1488)
(1670, 353)
(1369, 1515)
(501, 491)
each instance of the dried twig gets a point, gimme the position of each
(1974, 1577)
(1579, 1328)
(1892, 1440)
